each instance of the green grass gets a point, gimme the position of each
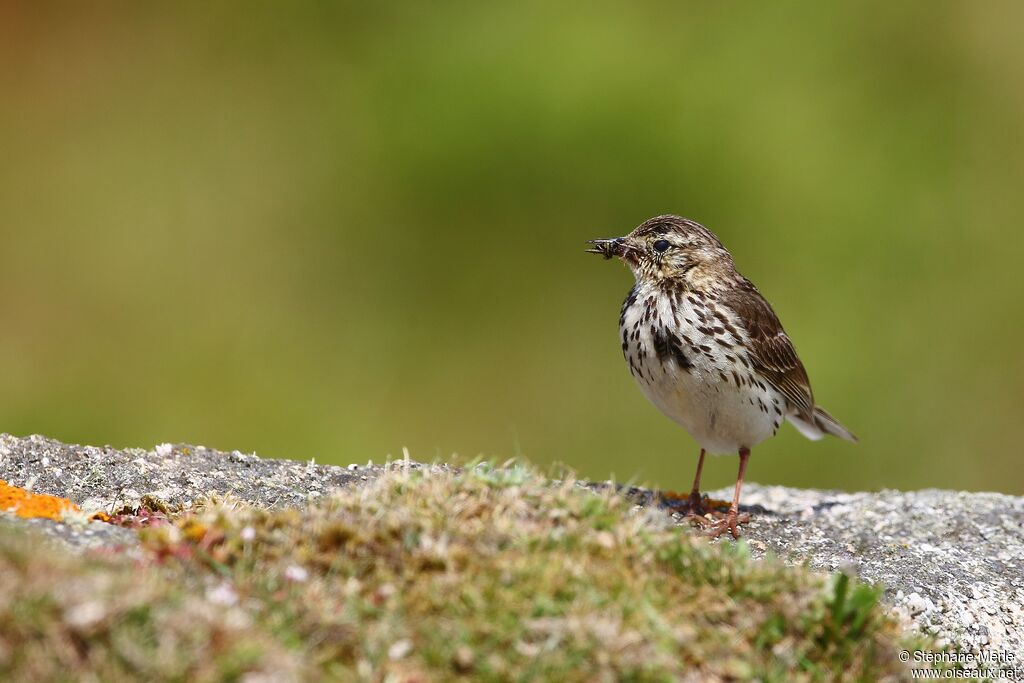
(496, 573)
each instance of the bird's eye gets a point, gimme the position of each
(661, 245)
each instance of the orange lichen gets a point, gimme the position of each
(194, 530)
(26, 504)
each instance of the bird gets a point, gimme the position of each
(708, 350)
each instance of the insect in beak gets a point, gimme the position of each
(608, 247)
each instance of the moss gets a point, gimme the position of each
(64, 617)
(495, 573)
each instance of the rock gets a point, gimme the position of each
(106, 478)
(951, 562)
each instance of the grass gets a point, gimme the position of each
(495, 573)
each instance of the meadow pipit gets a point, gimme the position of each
(708, 350)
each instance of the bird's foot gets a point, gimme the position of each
(718, 523)
(729, 522)
(695, 509)
(715, 516)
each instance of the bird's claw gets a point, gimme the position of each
(729, 523)
(716, 527)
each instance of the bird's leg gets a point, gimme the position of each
(696, 506)
(733, 518)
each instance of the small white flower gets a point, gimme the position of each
(296, 573)
(164, 449)
(248, 534)
(85, 614)
(400, 649)
(222, 594)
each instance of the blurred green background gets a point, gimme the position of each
(331, 230)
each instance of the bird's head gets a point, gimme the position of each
(666, 248)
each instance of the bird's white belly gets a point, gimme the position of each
(719, 416)
(701, 381)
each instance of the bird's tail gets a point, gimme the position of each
(823, 424)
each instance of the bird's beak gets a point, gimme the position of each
(609, 247)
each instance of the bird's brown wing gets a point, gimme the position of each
(771, 351)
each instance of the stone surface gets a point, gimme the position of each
(951, 562)
(107, 479)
